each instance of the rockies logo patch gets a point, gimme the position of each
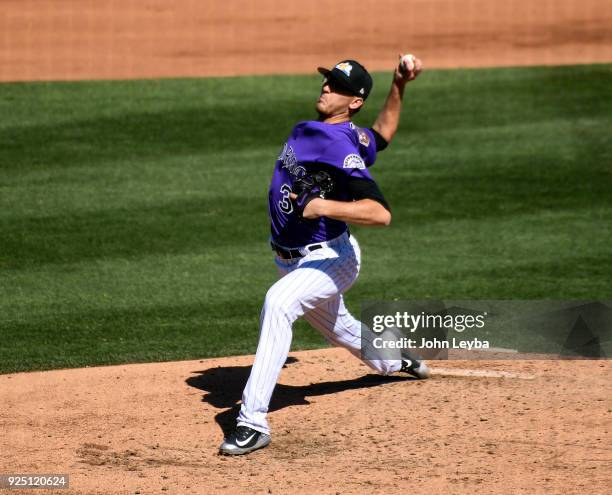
(363, 137)
(353, 161)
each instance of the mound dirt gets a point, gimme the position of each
(474, 427)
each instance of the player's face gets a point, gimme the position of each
(336, 101)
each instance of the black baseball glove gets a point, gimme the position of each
(311, 185)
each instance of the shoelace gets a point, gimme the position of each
(242, 432)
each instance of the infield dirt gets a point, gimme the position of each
(538, 427)
(87, 39)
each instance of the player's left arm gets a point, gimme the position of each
(388, 119)
(368, 206)
(362, 212)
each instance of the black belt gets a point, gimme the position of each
(288, 254)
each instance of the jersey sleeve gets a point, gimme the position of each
(367, 145)
(381, 142)
(366, 189)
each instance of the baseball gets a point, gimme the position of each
(407, 63)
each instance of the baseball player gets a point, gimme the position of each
(321, 183)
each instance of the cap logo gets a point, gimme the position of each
(345, 67)
(361, 91)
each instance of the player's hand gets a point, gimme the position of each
(313, 209)
(408, 68)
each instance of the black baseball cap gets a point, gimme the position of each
(350, 75)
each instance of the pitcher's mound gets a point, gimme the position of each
(474, 427)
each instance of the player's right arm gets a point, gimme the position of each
(388, 119)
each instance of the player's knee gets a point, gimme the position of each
(277, 303)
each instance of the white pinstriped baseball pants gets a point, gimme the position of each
(312, 287)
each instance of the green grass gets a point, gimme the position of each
(133, 214)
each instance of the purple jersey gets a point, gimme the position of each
(343, 149)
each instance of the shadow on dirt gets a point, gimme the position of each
(223, 386)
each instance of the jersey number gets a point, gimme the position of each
(285, 203)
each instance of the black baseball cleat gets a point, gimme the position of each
(243, 441)
(415, 368)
